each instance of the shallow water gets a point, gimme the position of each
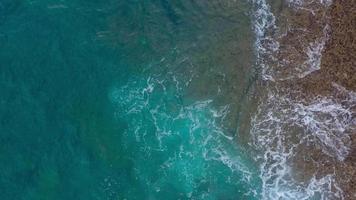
(125, 100)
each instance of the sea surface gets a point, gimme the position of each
(170, 99)
(126, 99)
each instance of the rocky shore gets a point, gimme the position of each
(311, 74)
(339, 66)
(336, 80)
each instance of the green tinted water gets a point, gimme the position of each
(124, 100)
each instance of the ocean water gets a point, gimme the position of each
(126, 99)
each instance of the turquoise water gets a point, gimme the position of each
(125, 99)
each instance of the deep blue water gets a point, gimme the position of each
(125, 99)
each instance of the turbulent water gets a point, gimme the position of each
(157, 99)
(124, 99)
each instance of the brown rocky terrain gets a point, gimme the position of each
(338, 65)
(335, 27)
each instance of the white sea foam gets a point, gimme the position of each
(265, 45)
(327, 121)
(305, 3)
